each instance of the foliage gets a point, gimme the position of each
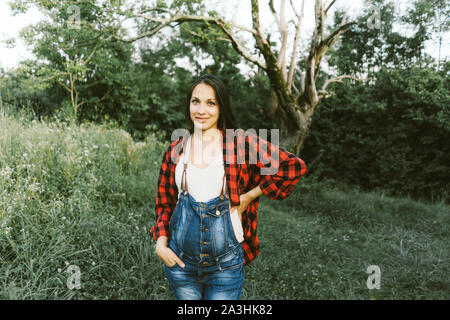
(77, 51)
(392, 135)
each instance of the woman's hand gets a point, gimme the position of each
(166, 254)
(245, 200)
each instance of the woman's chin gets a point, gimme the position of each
(200, 126)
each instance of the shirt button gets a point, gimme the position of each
(205, 229)
(204, 215)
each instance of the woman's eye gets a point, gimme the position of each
(211, 103)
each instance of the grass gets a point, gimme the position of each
(84, 195)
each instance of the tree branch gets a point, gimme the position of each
(241, 49)
(329, 6)
(180, 18)
(295, 46)
(284, 38)
(323, 91)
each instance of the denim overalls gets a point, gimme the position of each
(202, 237)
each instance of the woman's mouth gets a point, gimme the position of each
(201, 119)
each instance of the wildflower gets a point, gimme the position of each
(34, 187)
(6, 172)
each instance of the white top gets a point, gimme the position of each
(203, 184)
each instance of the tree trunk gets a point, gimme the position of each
(293, 129)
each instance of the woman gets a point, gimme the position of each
(207, 200)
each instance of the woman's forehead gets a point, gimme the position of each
(204, 91)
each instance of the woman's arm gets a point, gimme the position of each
(245, 199)
(277, 185)
(166, 196)
(286, 168)
(166, 199)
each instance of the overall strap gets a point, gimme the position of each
(223, 187)
(187, 152)
(184, 179)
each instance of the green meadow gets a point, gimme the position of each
(83, 195)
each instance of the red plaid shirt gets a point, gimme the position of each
(243, 173)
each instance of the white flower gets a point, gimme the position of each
(34, 187)
(6, 172)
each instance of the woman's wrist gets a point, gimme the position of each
(254, 193)
(162, 241)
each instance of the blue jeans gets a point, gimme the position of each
(202, 237)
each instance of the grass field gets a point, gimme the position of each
(84, 196)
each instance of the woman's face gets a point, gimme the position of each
(204, 107)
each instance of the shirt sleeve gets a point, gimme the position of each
(166, 197)
(279, 169)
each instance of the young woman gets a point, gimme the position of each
(207, 199)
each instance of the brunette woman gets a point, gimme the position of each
(208, 193)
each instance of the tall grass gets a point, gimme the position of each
(84, 195)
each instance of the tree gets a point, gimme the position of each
(291, 108)
(76, 49)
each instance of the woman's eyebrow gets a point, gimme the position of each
(212, 99)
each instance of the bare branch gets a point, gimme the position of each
(320, 50)
(199, 36)
(224, 26)
(294, 9)
(241, 49)
(323, 93)
(295, 47)
(273, 71)
(261, 41)
(284, 36)
(252, 31)
(329, 6)
(274, 13)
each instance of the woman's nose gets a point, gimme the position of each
(202, 107)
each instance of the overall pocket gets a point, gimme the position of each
(233, 261)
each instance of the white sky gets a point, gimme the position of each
(233, 9)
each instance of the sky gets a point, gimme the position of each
(236, 10)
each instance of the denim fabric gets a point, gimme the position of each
(202, 237)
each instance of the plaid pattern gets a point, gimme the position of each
(243, 171)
